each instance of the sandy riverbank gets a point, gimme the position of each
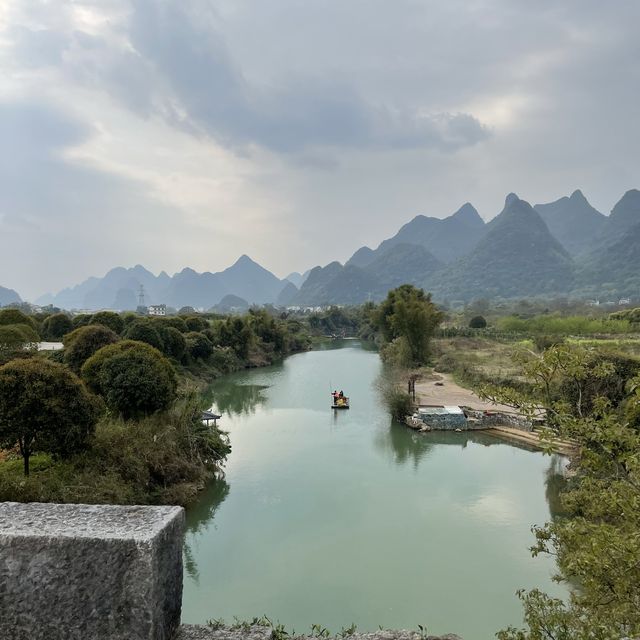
(451, 393)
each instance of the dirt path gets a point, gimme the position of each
(452, 394)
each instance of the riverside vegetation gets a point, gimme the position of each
(584, 373)
(115, 416)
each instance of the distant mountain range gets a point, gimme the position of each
(565, 247)
(120, 288)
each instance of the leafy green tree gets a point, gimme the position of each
(408, 315)
(143, 330)
(174, 344)
(56, 326)
(81, 320)
(173, 321)
(14, 338)
(195, 323)
(233, 332)
(15, 316)
(477, 322)
(199, 346)
(134, 378)
(44, 407)
(82, 343)
(597, 547)
(109, 319)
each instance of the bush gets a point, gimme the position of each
(56, 326)
(44, 407)
(199, 346)
(81, 320)
(194, 323)
(143, 330)
(109, 319)
(15, 316)
(134, 378)
(477, 322)
(398, 402)
(174, 344)
(82, 343)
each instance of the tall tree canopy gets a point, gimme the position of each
(44, 407)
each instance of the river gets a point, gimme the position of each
(347, 517)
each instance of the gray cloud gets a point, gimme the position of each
(298, 118)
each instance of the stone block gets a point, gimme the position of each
(89, 572)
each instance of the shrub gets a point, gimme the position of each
(81, 320)
(82, 343)
(109, 319)
(199, 346)
(134, 378)
(194, 323)
(477, 322)
(174, 344)
(15, 316)
(143, 330)
(44, 407)
(56, 326)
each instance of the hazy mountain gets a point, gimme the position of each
(362, 257)
(298, 279)
(614, 269)
(231, 303)
(120, 287)
(399, 264)
(447, 238)
(517, 256)
(572, 221)
(107, 292)
(8, 296)
(624, 216)
(287, 295)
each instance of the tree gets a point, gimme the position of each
(598, 545)
(408, 315)
(195, 323)
(143, 330)
(477, 322)
(56, 326)
(14, 338)
(199, 346)
(134, 378)
(44, 407)
(15, 316)
(109, 319)
(82, 343)
(174, 344)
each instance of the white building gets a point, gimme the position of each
(157, 309)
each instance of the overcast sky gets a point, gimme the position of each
(188, 132)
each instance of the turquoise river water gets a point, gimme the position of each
(347, 517)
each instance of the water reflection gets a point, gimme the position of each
(199, 516)
(236, 399)
(555, 482)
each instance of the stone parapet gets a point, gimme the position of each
(86, 572)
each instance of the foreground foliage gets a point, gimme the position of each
(44, 407)
(165, 458)
(598, 546)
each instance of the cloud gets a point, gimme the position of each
(177, 133)
(170, 59)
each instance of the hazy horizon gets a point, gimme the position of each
(174, 134)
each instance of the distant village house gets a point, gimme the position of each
(157, 309)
